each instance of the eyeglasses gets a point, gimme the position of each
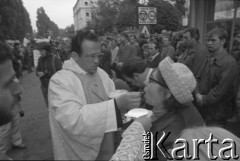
(93, 56)
(154, 80)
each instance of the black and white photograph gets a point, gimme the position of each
(120, 80)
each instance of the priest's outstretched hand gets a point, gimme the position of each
(128, 101)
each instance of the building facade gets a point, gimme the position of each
(208, 14)
(83, 13)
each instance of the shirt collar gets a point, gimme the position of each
(154, 56)
(78, 69)
(219, 56)
(148, 75)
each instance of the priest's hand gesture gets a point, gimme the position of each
(128, 101)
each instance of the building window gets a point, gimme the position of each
(86, 3)
(224, 9)
(87, 14)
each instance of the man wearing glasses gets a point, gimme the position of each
(82, 117)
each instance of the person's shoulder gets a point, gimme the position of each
(228, 57)
(101, 72)
(63, 77)
(227, 61)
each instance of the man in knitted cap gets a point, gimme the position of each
(170, 93)
(215, 96)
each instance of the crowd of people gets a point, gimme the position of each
(191, 90)
(22, 58)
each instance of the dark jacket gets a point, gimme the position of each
(48, 65)
(196, 63)
(184, 116)
(217, 87)
(154, 63)
(105, 61)
(168, 51)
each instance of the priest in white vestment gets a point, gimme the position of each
(82, 117)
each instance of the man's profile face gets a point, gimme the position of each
(135, 81)
(186, 36)
(214, 43)
(9, 91)
(89, 60)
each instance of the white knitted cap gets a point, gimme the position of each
(179, 79)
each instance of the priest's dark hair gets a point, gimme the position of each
(77, 40)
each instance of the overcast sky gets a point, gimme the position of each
(59, 11)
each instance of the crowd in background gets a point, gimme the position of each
(22, 57)
(183, 47)
(133, 60)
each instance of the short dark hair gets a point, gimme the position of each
(133, 65)
(77, 40)
(5, 53)
(194, 32)
(222, 33)
(44, 46)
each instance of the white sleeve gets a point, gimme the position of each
(111, 117)
(74, 116)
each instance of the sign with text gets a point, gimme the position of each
(147, 15)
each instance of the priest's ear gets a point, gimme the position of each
(75, 55)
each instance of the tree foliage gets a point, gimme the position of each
(104, 18)
(168, 17)
(180, 6)
(124, 13)
(14, 20)
(67, 32)
(45, 26)
(70, 29)
(128, 14)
